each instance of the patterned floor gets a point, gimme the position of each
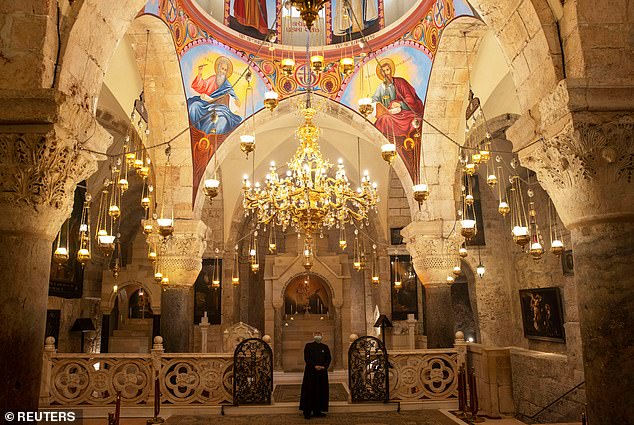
(420, 417)
(290, 393)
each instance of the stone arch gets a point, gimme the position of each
(325, 283)
(444, 109)
(528, 34)
(287, 108)
(166, 104)
(468, 270)
(320, 269)
(152, 291)
(94, 31)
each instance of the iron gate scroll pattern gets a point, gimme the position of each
(367, 369)
(252, 372)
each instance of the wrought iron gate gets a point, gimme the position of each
(367, 369)
(252, 372)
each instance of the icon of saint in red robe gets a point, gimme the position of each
(397, 104)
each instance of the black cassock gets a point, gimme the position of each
(315, 383)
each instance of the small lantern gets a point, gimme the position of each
(123, 184)
(211, 188)
(166, 226)
(346, 65)
(83, 256)
(148, 228)
(480, 270)
(365, 106)
(557, 247)
(421, 192)
(288, 66)
(504, 208)
(470, 168)
(317, 63)
(60, 256)
(520, 235)
(388, 152)
(468, 230)
(247, 144)
(271, 100)
(114, 211)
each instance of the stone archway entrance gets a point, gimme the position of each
(307, 307)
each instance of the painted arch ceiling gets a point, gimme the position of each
(213, 55)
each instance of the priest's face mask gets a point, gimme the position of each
(317, 336)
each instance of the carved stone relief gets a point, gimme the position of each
(39, 170)
(587, 168)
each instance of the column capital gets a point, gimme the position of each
(181, 256)
(587, 167)
(43, 142)
(38, 175)
(580, 142)
(432, 245)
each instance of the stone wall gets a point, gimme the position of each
(541, 370)
(540, 378)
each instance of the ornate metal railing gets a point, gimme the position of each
(95, 379)
(424, 375)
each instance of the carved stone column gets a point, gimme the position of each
(181, 263)
(39, 168)
(586, 163)
(431, 248)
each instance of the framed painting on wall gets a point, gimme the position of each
(567, 263)
(542, 315)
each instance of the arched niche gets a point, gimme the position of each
(284, 269)
(307, 294)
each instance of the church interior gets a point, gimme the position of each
(443, 188)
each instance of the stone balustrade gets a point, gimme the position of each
(71, 379)
(93, 380)
(424, 375)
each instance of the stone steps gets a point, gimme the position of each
(135, 336)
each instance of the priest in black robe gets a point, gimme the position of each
(314, 398)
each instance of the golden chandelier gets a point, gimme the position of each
(307, 198)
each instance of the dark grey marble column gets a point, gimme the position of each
(176, 319)
(25, 264)
(338, 352)
(439, 315)
(603, 258)
(278, 316)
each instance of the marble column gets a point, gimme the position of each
(180, 259)
(584, 161)
(40, 166)
(337, 361)
(440, 320)
(430, 245)
(278, 319)
(176, 318)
